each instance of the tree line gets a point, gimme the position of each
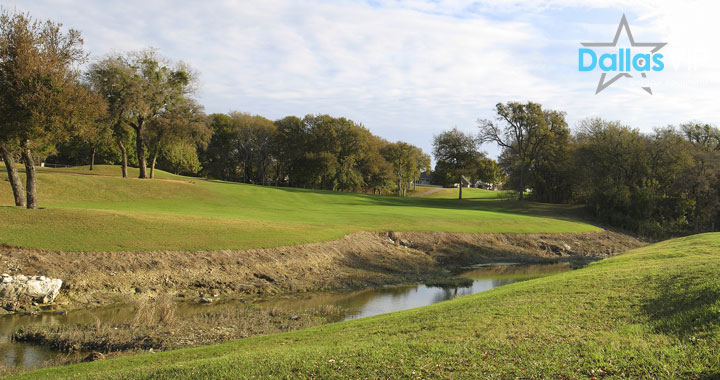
(139, 109)
(317, 152)
(655, 184)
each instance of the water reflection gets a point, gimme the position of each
(366, 303)
(31, 355)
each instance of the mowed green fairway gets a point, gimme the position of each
(652, 313)
(98, 210)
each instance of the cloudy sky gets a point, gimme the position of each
(409, 69)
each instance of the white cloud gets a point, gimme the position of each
(409, 69)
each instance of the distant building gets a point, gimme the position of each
(425, 179)
(488, 186)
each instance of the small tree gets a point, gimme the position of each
(489, 171)
(399, 155)
(182, 158)
(456, 154)
(181, 127)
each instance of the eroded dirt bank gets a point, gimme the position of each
(358, 260)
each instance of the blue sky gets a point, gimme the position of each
(409, 69)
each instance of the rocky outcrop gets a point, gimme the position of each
(21, 288)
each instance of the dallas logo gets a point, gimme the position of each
(624, 61)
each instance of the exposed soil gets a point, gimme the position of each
(358, 260)
(461, 249)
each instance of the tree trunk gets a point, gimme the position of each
(30, 181)
(152, 164)
(92, 157)
(460, 187)
(522, 179)
(140, 142)
(124, 158)
(13, 177)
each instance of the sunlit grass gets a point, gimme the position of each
(98, 210)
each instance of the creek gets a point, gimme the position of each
(354, 304)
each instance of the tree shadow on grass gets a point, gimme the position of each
(708, 375)
(685, 305)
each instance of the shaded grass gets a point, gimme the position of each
(603, 321)
(101, 211)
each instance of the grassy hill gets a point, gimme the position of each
(452, 193)
(651, 313)
(98, 210)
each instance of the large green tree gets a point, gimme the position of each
(523, 130)
(551, 173)
(611, 158)
(142, 86)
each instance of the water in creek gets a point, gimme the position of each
(356, 304)
(366, 303)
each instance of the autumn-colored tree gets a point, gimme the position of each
(40, 94)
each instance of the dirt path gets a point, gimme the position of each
(427, 192)
(358, 260)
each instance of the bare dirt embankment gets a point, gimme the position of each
(358, 260)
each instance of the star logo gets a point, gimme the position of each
(602, 84)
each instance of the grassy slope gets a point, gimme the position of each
(452, 193)
(101, 211)
(651, 313)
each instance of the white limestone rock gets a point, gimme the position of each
(39, 289)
